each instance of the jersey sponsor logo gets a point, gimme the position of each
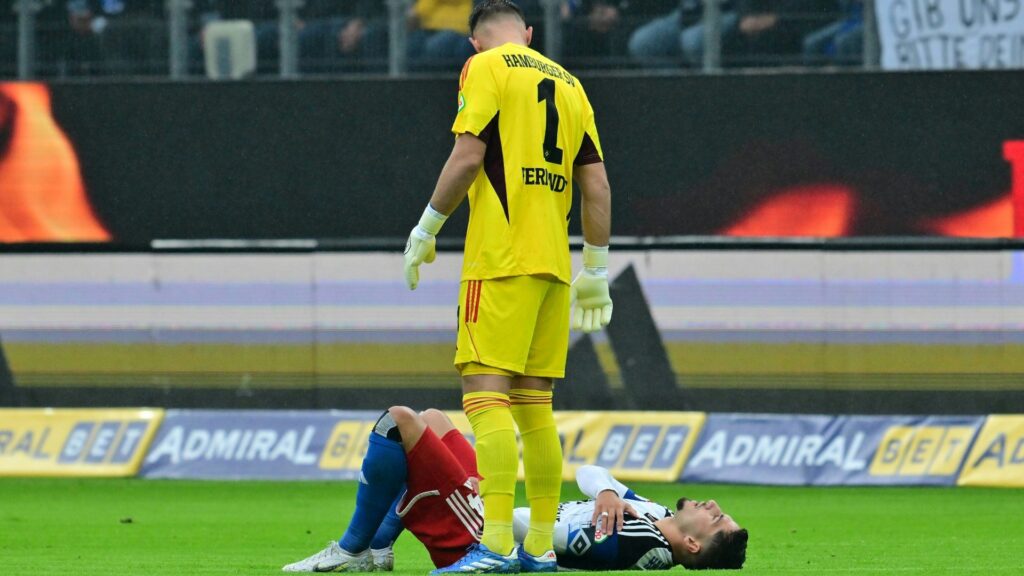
(544, 177)
(580, 543)
(997, 456)
(68, 442)
(527, 61)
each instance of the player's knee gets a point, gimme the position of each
(402, 415)
(391, 422)
(437, 421)
(432, 415)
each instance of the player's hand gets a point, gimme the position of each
(589, 300)
(609, 514)
(419, 249)
(589, 296)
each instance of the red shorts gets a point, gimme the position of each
(441, 508)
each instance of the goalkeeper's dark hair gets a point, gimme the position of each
(725, 551)
(488, 9)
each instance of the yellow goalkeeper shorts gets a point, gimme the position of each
(518, 324)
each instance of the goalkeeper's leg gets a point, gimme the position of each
(531, 397)
(497, 455)
(542, 459)
(497, 336)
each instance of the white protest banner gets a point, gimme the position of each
(951, 34)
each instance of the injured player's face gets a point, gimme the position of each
(710, 538)
(702, 519)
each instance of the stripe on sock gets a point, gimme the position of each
(474, 405)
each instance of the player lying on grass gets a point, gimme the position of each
(420, 473)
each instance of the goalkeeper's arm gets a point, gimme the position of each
(597, 203)
(458, 173)
(591, 302)
(452, 186)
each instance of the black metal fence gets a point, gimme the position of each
(81, 38)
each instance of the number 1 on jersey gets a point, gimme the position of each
(546, 93)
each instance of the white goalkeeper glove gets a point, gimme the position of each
(588, 296)
(419, 248)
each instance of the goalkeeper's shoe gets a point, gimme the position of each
(333, 559)
(546, 562)
(480, 560)
(383, 559)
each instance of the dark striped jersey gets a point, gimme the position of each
(639, 546)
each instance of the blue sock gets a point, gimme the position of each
(381, 480)
(390, 528)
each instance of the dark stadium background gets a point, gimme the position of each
(687, 155)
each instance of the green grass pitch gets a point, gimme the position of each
(183, 528)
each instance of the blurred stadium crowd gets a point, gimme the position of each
(91, 38)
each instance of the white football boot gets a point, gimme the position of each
(333, 559)
(383, 559)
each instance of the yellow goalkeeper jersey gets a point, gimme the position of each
(538, 124)
(444, 14)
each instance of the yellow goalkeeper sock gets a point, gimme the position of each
(542, 461)
(497, 459)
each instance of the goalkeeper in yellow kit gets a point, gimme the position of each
(525, 132)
